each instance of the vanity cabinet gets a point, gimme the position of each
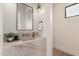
(18, 50)
(34, 48)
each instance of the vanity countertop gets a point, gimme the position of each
(19, 42)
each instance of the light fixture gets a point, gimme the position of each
(39, 7)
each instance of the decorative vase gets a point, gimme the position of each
(10, 39)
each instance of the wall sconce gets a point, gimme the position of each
(39, 7)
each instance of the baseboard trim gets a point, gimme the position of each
(72, 52)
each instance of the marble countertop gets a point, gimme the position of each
(19, 42)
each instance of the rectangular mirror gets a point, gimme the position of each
(72, 10)
(24, 17)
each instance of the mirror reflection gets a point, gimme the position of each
(25, 17)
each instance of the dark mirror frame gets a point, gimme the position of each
(68, 7)
(17, 17)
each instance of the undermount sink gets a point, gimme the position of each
(26, 39)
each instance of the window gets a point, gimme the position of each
(72, 10)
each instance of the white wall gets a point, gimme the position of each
(66, 31)
(1, 28)
(9, 19)
(45, 15)
(48, 26)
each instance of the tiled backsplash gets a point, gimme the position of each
(24, 35)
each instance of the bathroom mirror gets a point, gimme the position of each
(72, 10)
(24, 17)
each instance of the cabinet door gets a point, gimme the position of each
(10, 51)
(18, 50)
(35, 48)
